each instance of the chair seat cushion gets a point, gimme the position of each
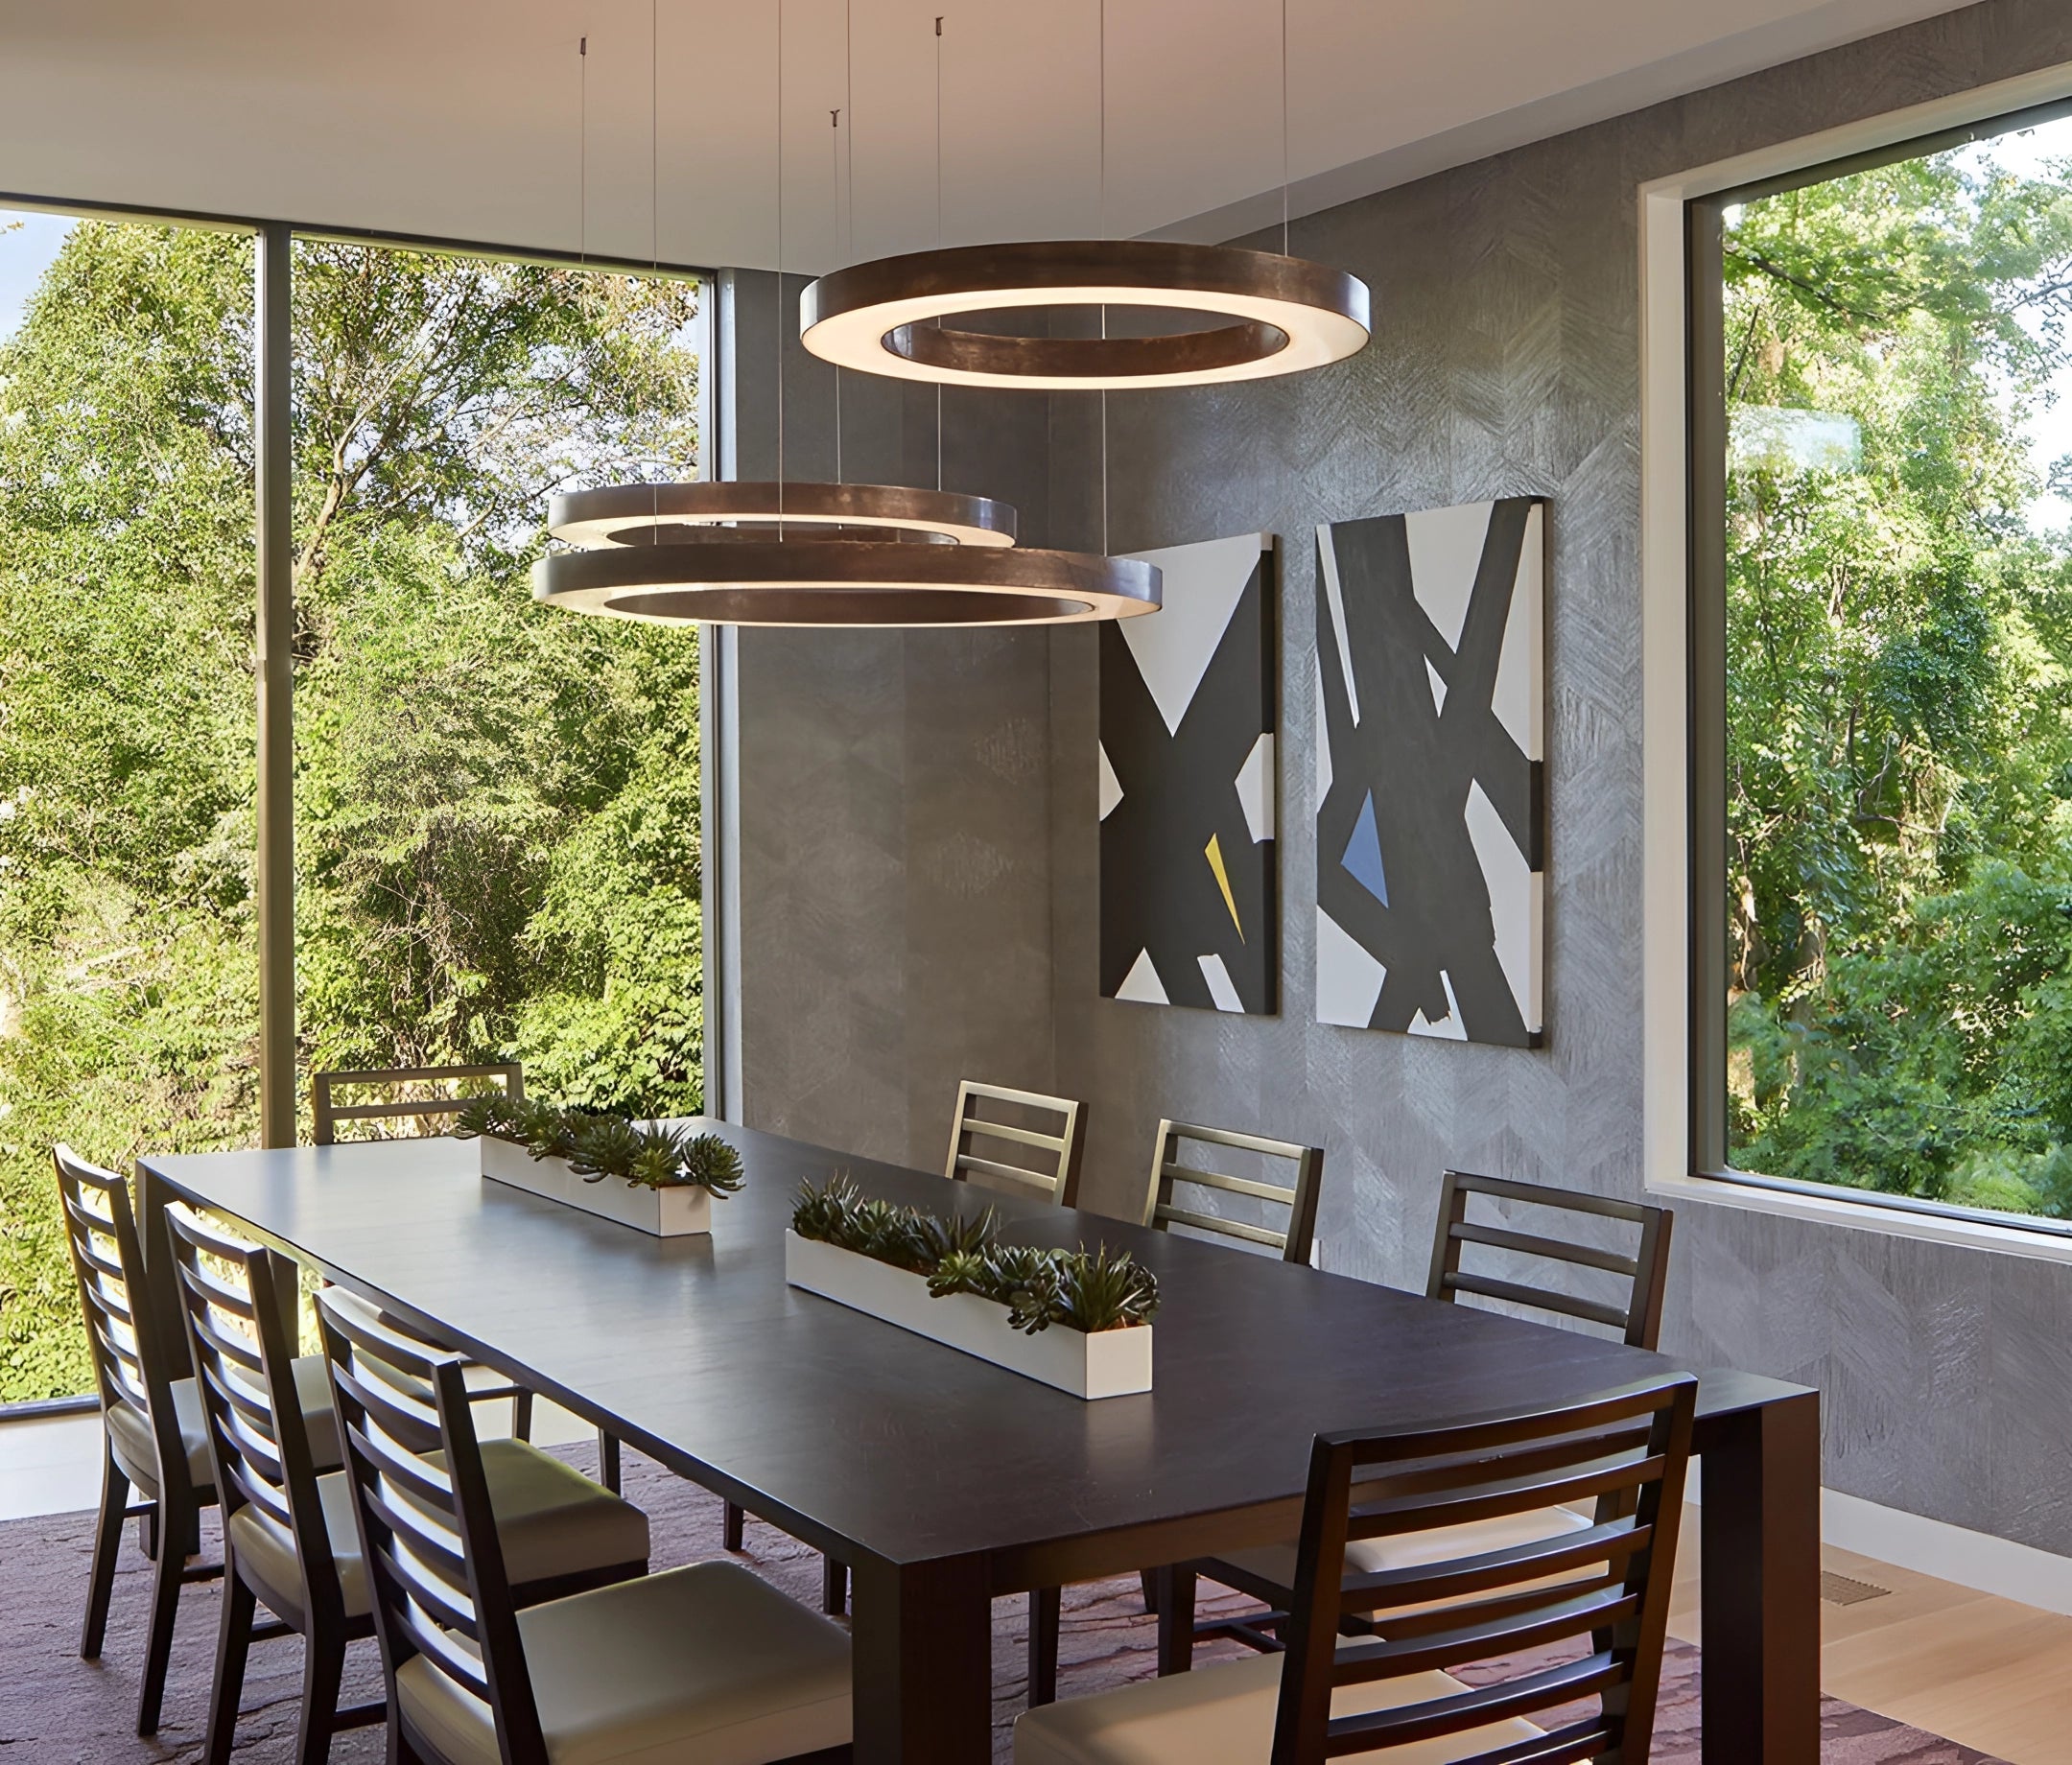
(132, 1436)
(553, 1521)
(1224, 1715)
(707, 1664)
(1276, 1562)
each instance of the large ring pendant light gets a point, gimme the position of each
(886, 317)
(845, 582)
(648, 514)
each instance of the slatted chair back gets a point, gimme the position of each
(440, 1587)
(1292, 1241)
(1645, 1269)
(133, 1371)
(1598, 1599)
(1049, 1163)
(244, 1371)
(436, 1085)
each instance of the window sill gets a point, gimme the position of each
(1857, 1216)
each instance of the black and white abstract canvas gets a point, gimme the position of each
(1430, 682)
(1187, 909)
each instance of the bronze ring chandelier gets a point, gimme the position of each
(853, 582)
(653, 514)
(888, 316)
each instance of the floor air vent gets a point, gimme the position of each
(1841, 1590)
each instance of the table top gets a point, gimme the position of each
(860, 1437)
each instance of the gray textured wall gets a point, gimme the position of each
(894, 807)
(918, 828)
(1506, 361)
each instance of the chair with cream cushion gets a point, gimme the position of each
(154, 1438)
(707, 1662)
(1168, 1204)
(1631, 1281)
(433, 1094)
(1464, 1651)
(291, 1539)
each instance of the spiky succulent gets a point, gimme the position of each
(712, 1164)
(605, 1146)
(1084, 1290)
(497, 1115)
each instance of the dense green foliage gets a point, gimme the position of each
(497, 806)
(1900, 686)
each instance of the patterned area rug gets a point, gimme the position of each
(57, 1709)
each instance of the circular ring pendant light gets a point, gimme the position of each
(651, 514)
(845, 583)
(885, 317)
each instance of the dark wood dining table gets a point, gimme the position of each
(944, 1481)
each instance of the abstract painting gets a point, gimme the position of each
(1188, 908)
(1430, 843)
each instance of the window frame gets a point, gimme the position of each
(272, 368)
(1705, 627)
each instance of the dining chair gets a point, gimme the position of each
(1050, 1162)
(1631, 1283)
(1577, 1619)
(1292, 1240)
(1163, 1209)
(326, 1112)
(290, 1539)
(708, 1662)
(1054, 1175)
(153, 1437)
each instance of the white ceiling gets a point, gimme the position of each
(462, 118)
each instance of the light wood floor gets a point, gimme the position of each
(1971, 1667)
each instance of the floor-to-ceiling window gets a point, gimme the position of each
(128, 946)
(497, 821)
(1886, 511)
(496, 805)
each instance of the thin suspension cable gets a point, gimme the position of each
(582, 150)
(835, 155)
(1284, 131)
(939, 233)
(1100, 87)
(654, 213)
(849, 142)
(780, 272)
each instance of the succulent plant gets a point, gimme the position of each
(604, 1147)
(600, 1147)
(1083, 1290)
(712, 1164)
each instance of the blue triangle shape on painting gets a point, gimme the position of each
(1364, 853)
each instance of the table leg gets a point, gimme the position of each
(161, 1287)
(923, 1663)
(1760, 1532)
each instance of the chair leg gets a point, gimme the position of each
(522, 1416)
(731, 1536)
(1045, 1606)
(324, 1667)
(1148, 1580)
(834, 1586)
(1175, 1619)
(607, 1458)
(171, 1528)
(233, 1644)
(108, 1545)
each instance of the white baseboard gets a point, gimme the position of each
(1974, 1560)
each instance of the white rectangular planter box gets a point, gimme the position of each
(1109, 1363)
(664, 1213)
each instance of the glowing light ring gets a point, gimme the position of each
(838, 582)
(886, 317)
(630, 514)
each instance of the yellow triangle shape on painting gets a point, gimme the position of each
(1214, 852)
